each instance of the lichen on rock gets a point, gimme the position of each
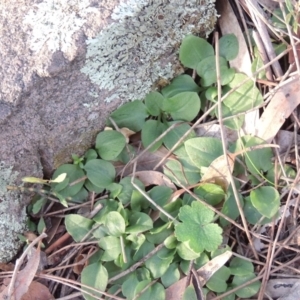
(54, 23)
(13, 223)
(130, 55)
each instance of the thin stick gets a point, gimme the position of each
(223, 138)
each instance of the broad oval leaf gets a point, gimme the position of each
(112, 247)
(131, 115)
(182, 83)
(184, 106)
(193, 49)
(242, 99)
(110, 144)
(151, 130)
(172, 137)
(206, 69)
(115, 223)
(78, 226)
(203, 150)
(213, 194)
(139, 222)
(95, 276)
(100, 172)
(229, 46)
(154, 102)
(248, 291)
(266, 200)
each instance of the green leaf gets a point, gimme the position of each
(151, 130)
(100, 172)
(129, 286)
(159, 234)
(172, 137)
(249, 290)
(78, 226)
(81, 196)
(203, 150)
(217, 282)
(266, 200)
(154, 102)
(171, 208)
(41, 225)
(171, 276)
(194, 49)
(241, 267)
(115, 223)
(230, 209)
(131, 115)
(206, 69)
(212, 93)
(74, 172)
(110, 144)
(186, 173)
(184, 106)
(160, 194)
(244, 98)
(213, 194)
(139, 222)
(252, 214)
(182, 83)
(155, 291)
(127, 191)
(185, 252)
(145, 249)
(229, 46)
(90, 154)
(259, 160)
(111, 245)
(108, 206)
(189, 293)
(37, 206)
(95, 276)
(159, 263)
(92, 188)
(196, 228)
(136, 239)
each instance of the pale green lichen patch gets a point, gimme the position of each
(140, 47)
(12, 216)
(54, 22)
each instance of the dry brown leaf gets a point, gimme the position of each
(37, 291)
(25, 276)
(154, 178)
(219, 172)
(7, 267)
(147, 161)
(285, 100)
(176, 290)
(77, 269)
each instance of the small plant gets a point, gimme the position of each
(148, 234)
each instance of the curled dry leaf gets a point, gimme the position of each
(37, 291)
(24, 277)
(220, 170)
(154, 178)
(80, 263)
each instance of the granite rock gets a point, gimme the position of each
(65, 65)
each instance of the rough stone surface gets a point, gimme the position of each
(65, 65)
